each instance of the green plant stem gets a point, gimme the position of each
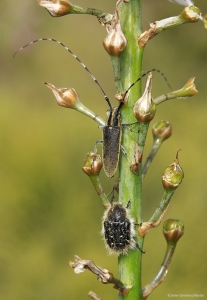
(190, 14)
(155, 147)
(98, 187)
(143, 129)
(162, 206)
(115, 60)
(162, 272)
(130, 186)
(89, 113)
(89, 11)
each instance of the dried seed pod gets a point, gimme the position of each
(115, 42)
(56, 8)
(144, 109)
(66, 97)
(93, 164)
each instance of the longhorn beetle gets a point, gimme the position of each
(112, 131)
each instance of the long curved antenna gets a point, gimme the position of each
(126, 92)
(144, 74)
(76, 57)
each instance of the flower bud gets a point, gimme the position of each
(56, 8)
(191, 14)
(115, 42)
(173, 230)
(66, 97)
(161, 130)
(173, 176)
(188, 90)
(144, 109)
(93, 164)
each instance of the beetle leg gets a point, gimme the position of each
(140, 248)
(95, 146)
(125, 153)
(128, 127)
(134, 166)
(95, 151)
(115, 188)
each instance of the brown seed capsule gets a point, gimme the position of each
(173, 176)
(173, 230)
(144, 109)
(93, 164)
(56, 8)
(66, 97)
(115, 42)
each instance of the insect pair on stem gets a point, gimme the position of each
(118, 226)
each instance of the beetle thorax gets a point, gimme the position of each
(113, 117)
(117, 213)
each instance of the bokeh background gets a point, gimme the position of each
(49, 210)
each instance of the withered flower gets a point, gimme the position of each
(56, 8)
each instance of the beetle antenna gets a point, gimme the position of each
(112, 199)
(76, 57)
(143, 75)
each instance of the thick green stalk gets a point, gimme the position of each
(130, 186)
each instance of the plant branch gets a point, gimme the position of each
(68, 98)
(103, 275)
(188, 90)
(173, 231)
(59, 8)
(161, 131)
(161, 274)
(92, 168)
(190, 14)
(155, 147)
(171, 179)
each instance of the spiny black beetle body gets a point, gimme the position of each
(112, 131)
(118, 230)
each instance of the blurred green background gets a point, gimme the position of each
(49, 210)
